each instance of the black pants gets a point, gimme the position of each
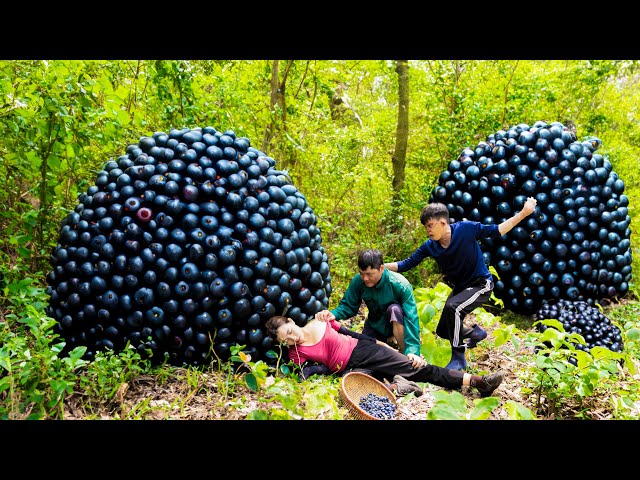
(383, 362)
(459, 304)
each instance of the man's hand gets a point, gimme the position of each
(527, 209)
(418, 361)
(529, 206)
(325, 316)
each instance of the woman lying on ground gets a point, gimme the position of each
(339, 350)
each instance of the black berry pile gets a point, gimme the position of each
(582, 318)
(575, 245)
(185, 246)
(377, 406)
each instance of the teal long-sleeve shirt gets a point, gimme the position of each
(392, 288)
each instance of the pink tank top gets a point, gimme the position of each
(333, 350)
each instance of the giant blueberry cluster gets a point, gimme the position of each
(377, 406)
(583, 319)
(576, 244)
(184, 247)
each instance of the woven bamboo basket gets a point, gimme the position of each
(355, 385)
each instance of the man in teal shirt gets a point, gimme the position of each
(389, 298)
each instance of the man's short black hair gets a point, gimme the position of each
(434, 210)
(370, 258)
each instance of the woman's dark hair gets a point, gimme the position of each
(370, 258)
(434, 210)
(273, 324)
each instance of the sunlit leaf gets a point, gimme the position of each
(633, 334)
(483, 408)
(250, 380)
(518, 412)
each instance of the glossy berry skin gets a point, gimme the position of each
(181, 249)
(581, 318)
(575, 231)
(377, 406)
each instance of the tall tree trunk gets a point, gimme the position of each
(506, 95)
(43, 207)
(278, 106)
(402, 132)
(393, 219)
(269, 129)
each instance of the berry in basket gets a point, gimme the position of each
(377, 406)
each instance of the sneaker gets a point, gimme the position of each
(405, 387)
(457, 362)
(490, 383)
(476, 335)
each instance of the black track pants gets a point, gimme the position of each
(381, 362)
(459, 305)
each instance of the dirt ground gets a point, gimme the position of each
(176, 397)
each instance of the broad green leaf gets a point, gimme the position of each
(584, 359)
(443, 412)
(290, 402)
(543, 361)
(454, 400)
(631, 366)
(484, 317)
(250, 380)
(584, 389)
(5, 361)
(427, 313)
(600, 352)
(559, 366)
(69, 150)
(551, 322)
(318, 401)
(123, 117)
(483, 408)
(33, 159)
(518, 412)
(501, 336)
(5, 383)
(121, 94)
(442, 290)
(633, 334)
(257, 414)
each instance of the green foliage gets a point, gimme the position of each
(429, 303)
(555, 379)
(285, 396)
(62, 120)
(518, 412)
(316, 398)
(34, 379)
(257, 371)
(454, 406)
(506, 333)
(106, 374)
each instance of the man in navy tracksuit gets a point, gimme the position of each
(455, 249)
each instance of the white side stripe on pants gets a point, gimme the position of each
(458, 327)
